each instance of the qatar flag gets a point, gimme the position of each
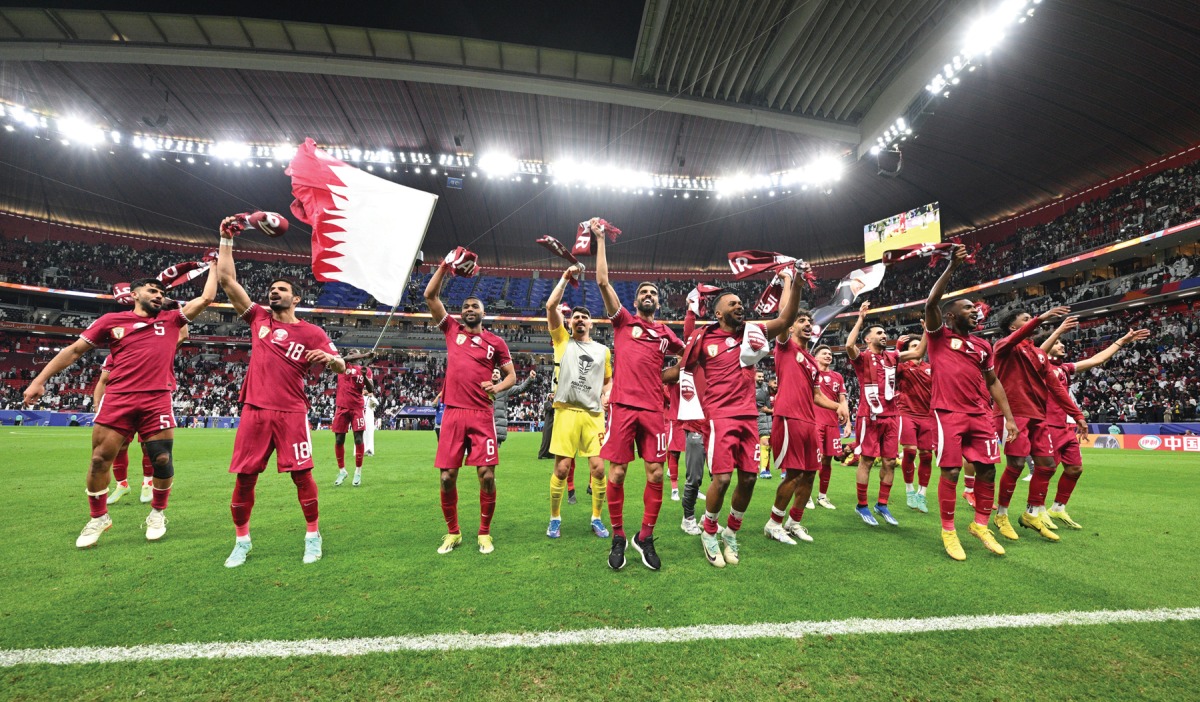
(366, 231)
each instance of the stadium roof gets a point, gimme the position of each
(1082, 92)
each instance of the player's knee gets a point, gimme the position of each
(951, 474)
(358, 438)
(654, 473)
(616, 474)
(339, 439)
(925, 455)
(160, 458)
(1073, 471)
(99, 463)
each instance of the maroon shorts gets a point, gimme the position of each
(879, 437)
(346, 419)
(965, 436)
(633, 426)
(467, 434)
(918, 432)
(1066, 446)
(143, 413)
(831, 441)
(263, 431)
(733, 445)
(1033, 438)
(676, 436)
(796, 444)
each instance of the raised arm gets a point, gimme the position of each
(612, 303)
(524, 384)
(554, 318)
(63, 359)
(195, 306)
(227, 272)
(507, 380)
(1102, 357)
(852, 337)
(918, 352)
(1067, 325)
(789, 305)
(997, 391)
(933, 303)
(433, 292)
(784, 299)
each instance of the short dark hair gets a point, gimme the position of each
(147, 281)
(581, 308)
(721, 294)
(1005, 321)
(803, 312)
(639, 287)
(872, 327)
(822, 347)
(297, 291)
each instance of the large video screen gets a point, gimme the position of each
(921, 225)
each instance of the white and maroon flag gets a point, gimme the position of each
(366, 231)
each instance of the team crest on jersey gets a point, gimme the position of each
(956, 344)
(279, 336)
(118, 332)
(731, 342)
(636, 332)
(460, 339)
(713, 349)
(263, 331)
(929, 371)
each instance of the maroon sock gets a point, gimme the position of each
(243, 503)
(796, 513)
(339, 451)
(487, 508)
(147, 467)
(652, 501)
(1039, 485)
(450, 509)
(616, 507)
(826, 471)
(946, 498)
(968, 483)
(885, 491)
(1008, 485)
(571, 477)
(1066, 485)
(158, 499)
(925, 469)
(985, 495)
(673, 468)
(710, 526)
(359, 450)
(306, 491)
(120, 465)
(862, 494)
(734, 523)
(908, 464)
(98, 504)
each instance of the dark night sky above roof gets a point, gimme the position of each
(607, 27)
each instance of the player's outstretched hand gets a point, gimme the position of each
(1135, 335)
(574, 271)
(1081, 431)
(33, 393)
(958, 255)
(319, 356)
(1054, 312)
(230, 227)
(1068, 324)
(1010, 430)
(862, 309)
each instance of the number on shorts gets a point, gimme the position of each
(993, 447)
(662, 442)
(490, 445)
(165, 421)
(294, 351)
(302, 450)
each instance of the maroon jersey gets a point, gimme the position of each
(471, 359)
(1056, 414)
(729, 387)
(639, 348)
(832, 385)
(275, 379)
(798, 376)
(959, 385)
(350, 387)
(141, 349)
(1024, 370)
(876, 382)
(916, 382)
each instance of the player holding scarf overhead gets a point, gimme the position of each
(726, 353)
(635, 417)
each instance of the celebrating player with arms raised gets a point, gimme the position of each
(274, 403)
(468, 429)
(137, 398)
(635, 417)
(726, 352)
(964, 387)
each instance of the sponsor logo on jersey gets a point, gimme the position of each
(118, 332)
(636, 332)
(460, 339)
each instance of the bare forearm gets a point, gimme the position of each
(61, 361)
(1001, 399)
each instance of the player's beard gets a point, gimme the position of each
(279, 305)
(648, 306)
(471, 320)
(734, 318)
(149, 307)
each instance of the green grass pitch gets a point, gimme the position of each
(380, 576)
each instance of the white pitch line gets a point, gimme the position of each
(587, 637)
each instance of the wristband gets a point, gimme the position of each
(226, 242)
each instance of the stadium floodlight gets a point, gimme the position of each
(283, 152)
(498, 164)
(231, 150)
